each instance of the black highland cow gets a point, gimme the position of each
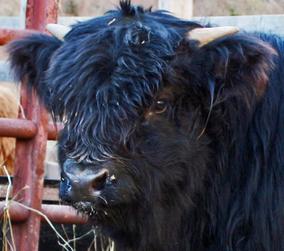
(174, 132)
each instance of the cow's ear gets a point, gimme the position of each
(29, 58)
(232, 76)
(238, 64)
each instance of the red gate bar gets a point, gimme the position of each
(17, 128)
(60, 214)
(17, 213)
(7, 35)
(29, 162)
(29, 171)
(25, 129)
(63, 214)
(40, 13)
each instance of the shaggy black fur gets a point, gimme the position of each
(193, 136)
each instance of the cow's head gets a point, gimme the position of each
(147, 101)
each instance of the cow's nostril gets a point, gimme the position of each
(99, 181)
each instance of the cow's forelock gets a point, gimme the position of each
(101, 83)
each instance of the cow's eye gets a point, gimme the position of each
(160, 106)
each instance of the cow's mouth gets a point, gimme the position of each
(91, 210)
(85, 207)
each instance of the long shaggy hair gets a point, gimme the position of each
(192, 137)
(8, 109)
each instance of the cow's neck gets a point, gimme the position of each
(165, 230)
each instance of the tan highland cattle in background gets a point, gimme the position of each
(8, 109)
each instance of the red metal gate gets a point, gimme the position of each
(32, 131)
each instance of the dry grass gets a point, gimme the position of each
(8, 243)
(7, 230)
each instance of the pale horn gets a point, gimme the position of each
(58, 30)
(207, 35)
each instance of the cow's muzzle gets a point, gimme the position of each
(74, 188)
